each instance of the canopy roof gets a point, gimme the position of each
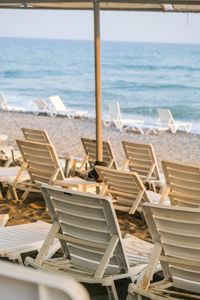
(132, 5)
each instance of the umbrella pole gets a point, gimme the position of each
(97, 51)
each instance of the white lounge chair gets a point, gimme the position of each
(166, 119)
(22, 283)
(41, 107)
(127, 190)
(114, 117)
(88, 230)
(6, 107)
(59, 108)
(141, 158)
(20, 239)
(175, 233)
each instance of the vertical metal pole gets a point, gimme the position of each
(97, 51)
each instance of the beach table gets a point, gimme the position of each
(78, 183)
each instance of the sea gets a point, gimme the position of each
(140, 76)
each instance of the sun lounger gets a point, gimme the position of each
(127, 190)
(141, 158)
(41, 162)
(6, 107)
(59, 108)
(182, 184)
(21, 283)
(175, 233)
(166, 119)
(88, 230)
(20, 239)
(114, 118)
(41, 107)
(89, 146)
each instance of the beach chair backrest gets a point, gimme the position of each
(88, 230)
(41, 105)
(57, 103)
(165, 117)
(42, 162)
(184, 183)
(126, 188)
(20, 283)
(89, 146)
(141, 158)
(3, 103)
(176, 230)
(36, 135)
(114, 111)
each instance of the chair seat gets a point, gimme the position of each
(9, 174)
(155, 198)
(18, 239)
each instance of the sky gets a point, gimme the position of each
(115, 26)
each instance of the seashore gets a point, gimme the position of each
(65, 135)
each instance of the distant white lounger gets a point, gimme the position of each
(4, 106)
(166, 119)
(21, 283)
(59, 108)
(41, 107)
(114, 117)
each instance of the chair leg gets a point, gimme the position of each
(112, 292)
(25, 195)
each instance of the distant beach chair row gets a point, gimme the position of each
(57, 108)
(165, 122)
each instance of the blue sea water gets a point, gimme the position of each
(140, 76)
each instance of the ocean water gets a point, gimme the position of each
(140, 76)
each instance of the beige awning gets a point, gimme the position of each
(131, 5)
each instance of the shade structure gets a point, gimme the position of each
(131, 5)
(97, 5)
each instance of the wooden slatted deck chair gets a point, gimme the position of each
(166, 119)
(19, 240)
(114, 117)
(21, 283)
(141, 158)
(175, 233)
(182, 184)
(89, 146)
(126, 188)
(88, 230)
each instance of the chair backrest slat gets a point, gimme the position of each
(178, 231)
(41, 159)
(91, 221)
(141, 158)
(184, 183)
(89, 146)
(165, 117)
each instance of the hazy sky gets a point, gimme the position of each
(120, 26)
